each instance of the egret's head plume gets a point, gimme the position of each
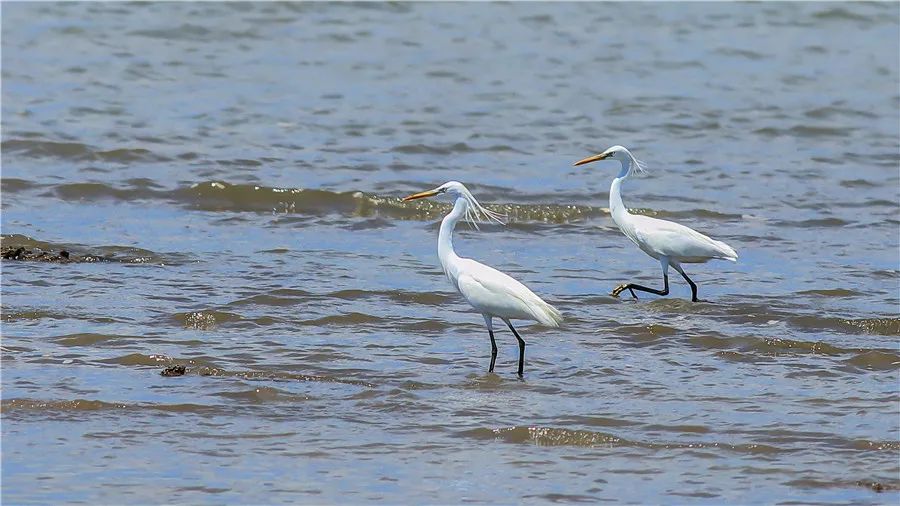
(619, 153)
(475, 212)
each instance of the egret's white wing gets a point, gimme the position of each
(493, 292)
(676, 241)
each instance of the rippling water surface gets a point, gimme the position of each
(239, 165)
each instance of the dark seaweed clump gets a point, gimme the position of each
(38, 255)
(173, 370)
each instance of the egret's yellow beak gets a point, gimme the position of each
(590, 159)
(421, 195)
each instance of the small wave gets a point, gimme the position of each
(220, 196)
(552, 436)
(777, 346)
(94, 191)
(66, 405)
(262, 394)
(749, 349)
(875, 361)
(422, 326)
(351, 319)
(36, 314)
(694, 429)
(538, 19)
(841, 14)
(834, 292)
(814, 223)
(548, 436)
(689, 214)
(278, 376)
(77, 151)
(647, 335)
(192, 32)
(275, 299)
(804, 131)
(450, 149)
(139, 359)
(743, 53)
(75, 406)
(399, 296)
(879, 326)
(599, 421)
(828, 112)
(205, 320)
(42, 148)
(447, 74)
(874, 485)
(12, 185)
(862, 183)
(92, 339)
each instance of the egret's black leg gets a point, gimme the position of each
(493, 350)
(631, 287)
(521, 348)
(693, 285)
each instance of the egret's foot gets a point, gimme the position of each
(621, 288)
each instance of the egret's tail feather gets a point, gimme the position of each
(547, 314)
(728, 253)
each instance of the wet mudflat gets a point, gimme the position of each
(239, 166)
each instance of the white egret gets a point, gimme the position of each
(491, 292)
(670, 243)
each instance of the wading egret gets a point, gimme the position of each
(670, 243)
(491, 292)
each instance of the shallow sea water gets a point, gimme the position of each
(242, 163)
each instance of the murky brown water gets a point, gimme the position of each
(239, 165)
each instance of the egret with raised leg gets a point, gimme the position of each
(670, 243)
(491, 292)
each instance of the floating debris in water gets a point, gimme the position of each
(39, 255)
(173, 370)
(22, 248)
(876, 486)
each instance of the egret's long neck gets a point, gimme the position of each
(616, 207)
(445, 238)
